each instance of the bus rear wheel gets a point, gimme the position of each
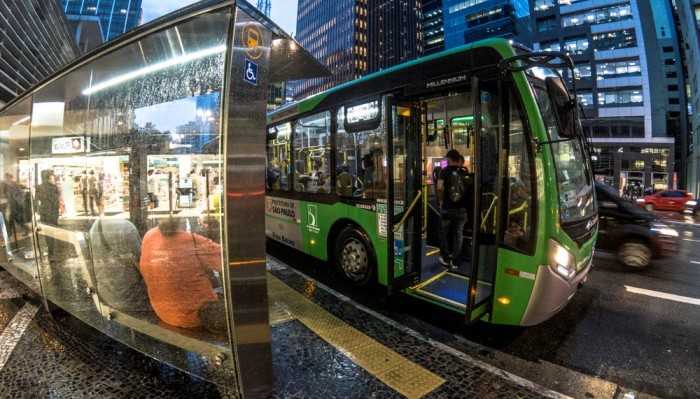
(354, 257)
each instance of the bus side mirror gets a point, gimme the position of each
(565, 111)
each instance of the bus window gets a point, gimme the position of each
(368, 149)
(348, 157)
(576, 199)
(312, 154)
(519, 231)
(279, 172)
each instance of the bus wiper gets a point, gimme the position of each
(521, 62)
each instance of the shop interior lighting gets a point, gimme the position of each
(155, 68)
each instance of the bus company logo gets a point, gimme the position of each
(312, 214)
(280, 207)
(446, 82)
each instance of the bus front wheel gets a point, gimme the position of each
(354, 257)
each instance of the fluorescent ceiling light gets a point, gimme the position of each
(154, 68)
(26, 118)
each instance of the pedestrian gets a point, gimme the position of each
(47, 199)
(152, 188)
(93, 192)
(84, 190)
(177, 266)
(116, 252)
(453, 212)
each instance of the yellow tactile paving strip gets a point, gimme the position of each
(402, 375)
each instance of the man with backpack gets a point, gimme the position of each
(451, 193)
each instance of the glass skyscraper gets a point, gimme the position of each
(627, 78)
(116, 16)
(356, 37)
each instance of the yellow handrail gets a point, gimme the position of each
(408, 212)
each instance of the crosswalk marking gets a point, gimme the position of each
(663, 295)
(11, 335)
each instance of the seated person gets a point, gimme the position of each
(116, 251)
(345, 182)
(175, 265)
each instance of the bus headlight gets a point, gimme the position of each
(561, 260)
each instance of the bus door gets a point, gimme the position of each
(405, 194)
(487, 201)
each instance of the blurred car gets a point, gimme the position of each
(665, 200)
(635, 235)
(692, 208)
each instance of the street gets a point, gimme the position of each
(636, 330)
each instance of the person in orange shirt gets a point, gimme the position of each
(174, 265)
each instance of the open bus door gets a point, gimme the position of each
(487, 200)
(404, 229)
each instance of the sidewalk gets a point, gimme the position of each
(323, 345)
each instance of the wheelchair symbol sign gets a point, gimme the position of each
(250, 74)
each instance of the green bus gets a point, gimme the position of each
(350, 180)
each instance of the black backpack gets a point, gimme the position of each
(458, 186)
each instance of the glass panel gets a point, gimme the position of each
(312, 153)
(348, 156)
(16, 225)
(279, 168)
(125, 168)
(573, 176)
(406, 152)
(368, 147)
(519, 231)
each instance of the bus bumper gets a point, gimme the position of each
(551, 293)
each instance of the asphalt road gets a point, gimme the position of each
(635, 333)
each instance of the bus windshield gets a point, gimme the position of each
(575, 188)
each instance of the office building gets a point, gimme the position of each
(689, 24)
(353, 38)
(433, 27)
(451, 23)
(627, 67)
(35, 41)
(116, 16)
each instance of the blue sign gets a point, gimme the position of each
(250, 74)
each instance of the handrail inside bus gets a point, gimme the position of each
(408, 212)
(488, 212)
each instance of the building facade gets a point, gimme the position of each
(627, 78)
(353, 38)
(35, 41)
(433, 27)
(451, 23)
(116, 16)
(689, 23)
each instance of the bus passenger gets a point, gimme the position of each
(345, 182)
(453, 214)
(176, 266)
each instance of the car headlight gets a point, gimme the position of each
(691, 203)
(664, 230)
(561, 260)
(640, 200)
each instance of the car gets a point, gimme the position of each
(665, 200)
(635, 235)
(692, 208)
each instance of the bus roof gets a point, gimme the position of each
(504, 47)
